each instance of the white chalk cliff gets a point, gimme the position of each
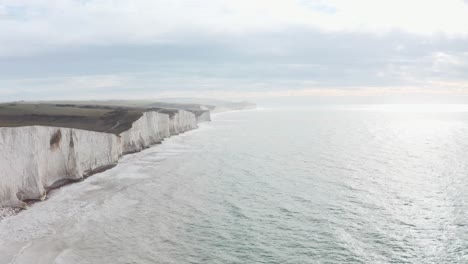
(34, 159)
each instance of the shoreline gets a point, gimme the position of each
(8, 211)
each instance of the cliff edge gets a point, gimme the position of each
(44, 146)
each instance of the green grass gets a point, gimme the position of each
(95, 118)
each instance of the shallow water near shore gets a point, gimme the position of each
(323, 184)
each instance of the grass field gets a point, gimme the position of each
(110, 119)
(112, 116)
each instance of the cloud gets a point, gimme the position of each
(141, 48)
(446, 62)
(416, 16)
(266, 62)
(31, 26)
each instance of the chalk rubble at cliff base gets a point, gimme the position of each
(34, 159)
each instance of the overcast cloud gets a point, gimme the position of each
(51, 49)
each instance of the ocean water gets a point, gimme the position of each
(323, 184)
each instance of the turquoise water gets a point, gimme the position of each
(328, 184)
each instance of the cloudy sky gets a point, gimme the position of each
(83, 49)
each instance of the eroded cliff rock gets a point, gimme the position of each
(182, 121)
(150, 129)
(34, 159)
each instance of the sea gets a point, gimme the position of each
(312, 184)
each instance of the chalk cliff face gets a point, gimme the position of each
(204, 116)
(35, 158)
(150, 129)
(182, 121)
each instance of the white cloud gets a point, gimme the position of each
(95, 81)
(28, 25)
(445, 62)
(415, 16)
(229, 45)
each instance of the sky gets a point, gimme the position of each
(133, 49)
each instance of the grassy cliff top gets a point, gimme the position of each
(99, 118)
(168, 103)
(112, 116)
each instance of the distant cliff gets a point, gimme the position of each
(35, 159)
(43, 146)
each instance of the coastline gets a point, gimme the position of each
(179, 128)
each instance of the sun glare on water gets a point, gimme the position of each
(417, 108)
